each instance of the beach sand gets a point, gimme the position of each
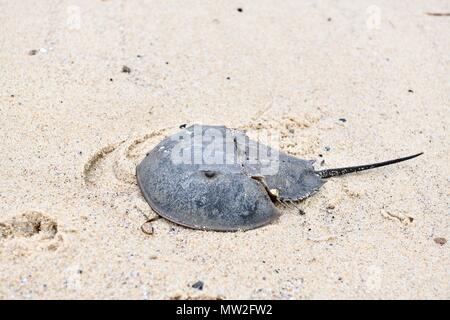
(340, 82)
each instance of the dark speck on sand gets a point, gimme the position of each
(198, 285)
(440, 241)
(126, 69)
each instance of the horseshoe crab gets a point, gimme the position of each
(216, 178)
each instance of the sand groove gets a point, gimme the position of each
(110, 175)
(113, 166)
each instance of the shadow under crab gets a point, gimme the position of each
(216, 178)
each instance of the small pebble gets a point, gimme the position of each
(410, 91)
(240, 9)
(342, 120)
(327, 148)
(183, 126)
(198, 285)
(126, 69)
(33, 52)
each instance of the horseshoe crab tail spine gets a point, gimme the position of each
(328, 173)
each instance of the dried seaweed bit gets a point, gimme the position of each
(198, 285)
(342, 120)
(240, 10)
(438, 14)
(147, 227)
(182, 126)
(440, 240)
(32, 52)
(398, 216)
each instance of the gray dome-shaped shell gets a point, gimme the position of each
(213, 197)
(214, 183)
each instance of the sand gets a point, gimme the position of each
(74, 125)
